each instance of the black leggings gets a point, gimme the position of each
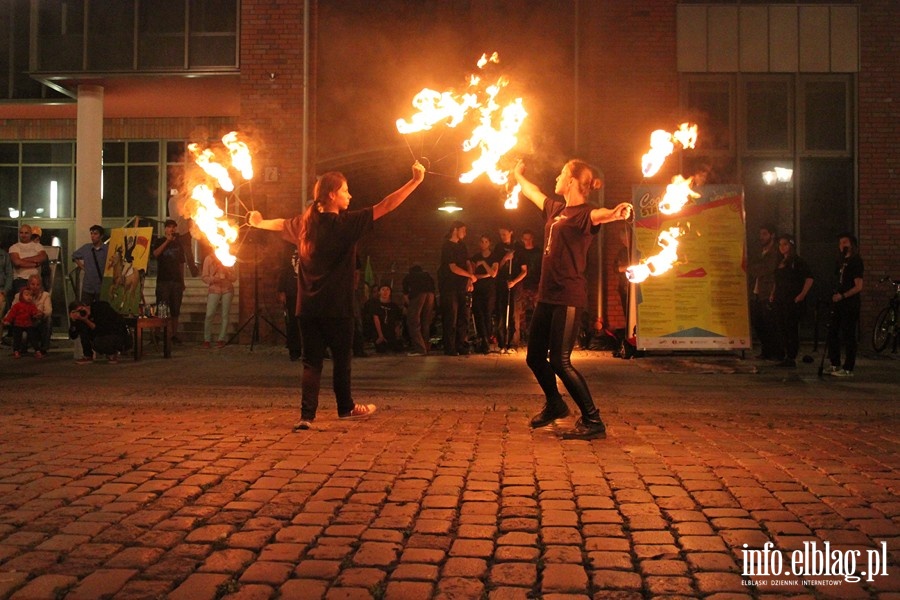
(318, 334)
(554, 329)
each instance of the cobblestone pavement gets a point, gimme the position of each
(183, 479)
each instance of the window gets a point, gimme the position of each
(767, 103)
(131, 179)
(40, 185)
(161, 27)
(110, 36)
(825, 112)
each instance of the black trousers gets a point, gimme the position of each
(455, 320)
(842, 331)
(317, 334)
(787, 320)
(554, 330)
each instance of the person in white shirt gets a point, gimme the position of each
(27, 257)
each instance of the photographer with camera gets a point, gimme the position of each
(101, 329)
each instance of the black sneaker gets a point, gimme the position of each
(550, 413)
(586, 430)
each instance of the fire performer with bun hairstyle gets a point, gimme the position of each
(326, 235)
(570, 225)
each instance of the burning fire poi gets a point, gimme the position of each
(678, 193)
(207, 217)
(494, 136)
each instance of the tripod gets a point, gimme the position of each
(257, 312)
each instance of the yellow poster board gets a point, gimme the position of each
(701, 303)
(126, 264)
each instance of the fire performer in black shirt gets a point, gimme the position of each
(326, 235)
(570, 225)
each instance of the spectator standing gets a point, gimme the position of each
(455, 282)
(845, 307)
(23, 318)
(220, 290)
(168, 251)
(91, 259)
(504, 256)
(793, 280)
(100, 328)
(525, 285)
(287, 296)
(27, 257)
(326, 235)
(484, 292)
(418, 288)
(761, 267)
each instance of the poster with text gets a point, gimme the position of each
(701, 302)
(126, 264)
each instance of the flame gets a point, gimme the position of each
(659, 263)
(512, 199)
(495, 133)
(209, 219)
(677, 195)
(240, 155)
(662, 144)
(202, 209)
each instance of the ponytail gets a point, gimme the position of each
(589, 178)
(326, 184)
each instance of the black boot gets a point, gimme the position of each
(553, 410)
(588, 427)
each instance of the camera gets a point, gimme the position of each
(82, 313)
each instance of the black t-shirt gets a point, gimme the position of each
(106, 319)
(568, 233)
(848, 270)
(531, 258)
(170, 264)
(789, 279)
(503, 272)
(453, 253)
(417, 282)
(325, 281)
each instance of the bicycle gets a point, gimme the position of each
(887, 324)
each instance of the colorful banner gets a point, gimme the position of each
(701, 303)
(126, 264)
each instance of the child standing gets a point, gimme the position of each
(23, 318)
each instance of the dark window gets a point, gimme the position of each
(175, 152)
(9, 154)
(825, 111)
(143, 191)
(111, 36)
(61, 35)
(113, 191)
(767, 120)
(9, 191)
(213, 33)
(826, 209)
(161, 33)
(709, 104)
(143, 152)
(47, 192)
(113, 152)
(47, 153)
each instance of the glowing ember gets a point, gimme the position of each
(498, 125)
(660, 263)
(207, 217)
(662, 144)
(677, 195)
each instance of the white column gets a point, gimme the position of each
(88, 161)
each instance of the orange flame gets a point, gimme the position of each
(209, 219)
(677, 195)
(662, 144)
(659, 263)
(494, 135)
(512, 199)
(202, 209)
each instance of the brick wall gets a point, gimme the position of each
(879, 158)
